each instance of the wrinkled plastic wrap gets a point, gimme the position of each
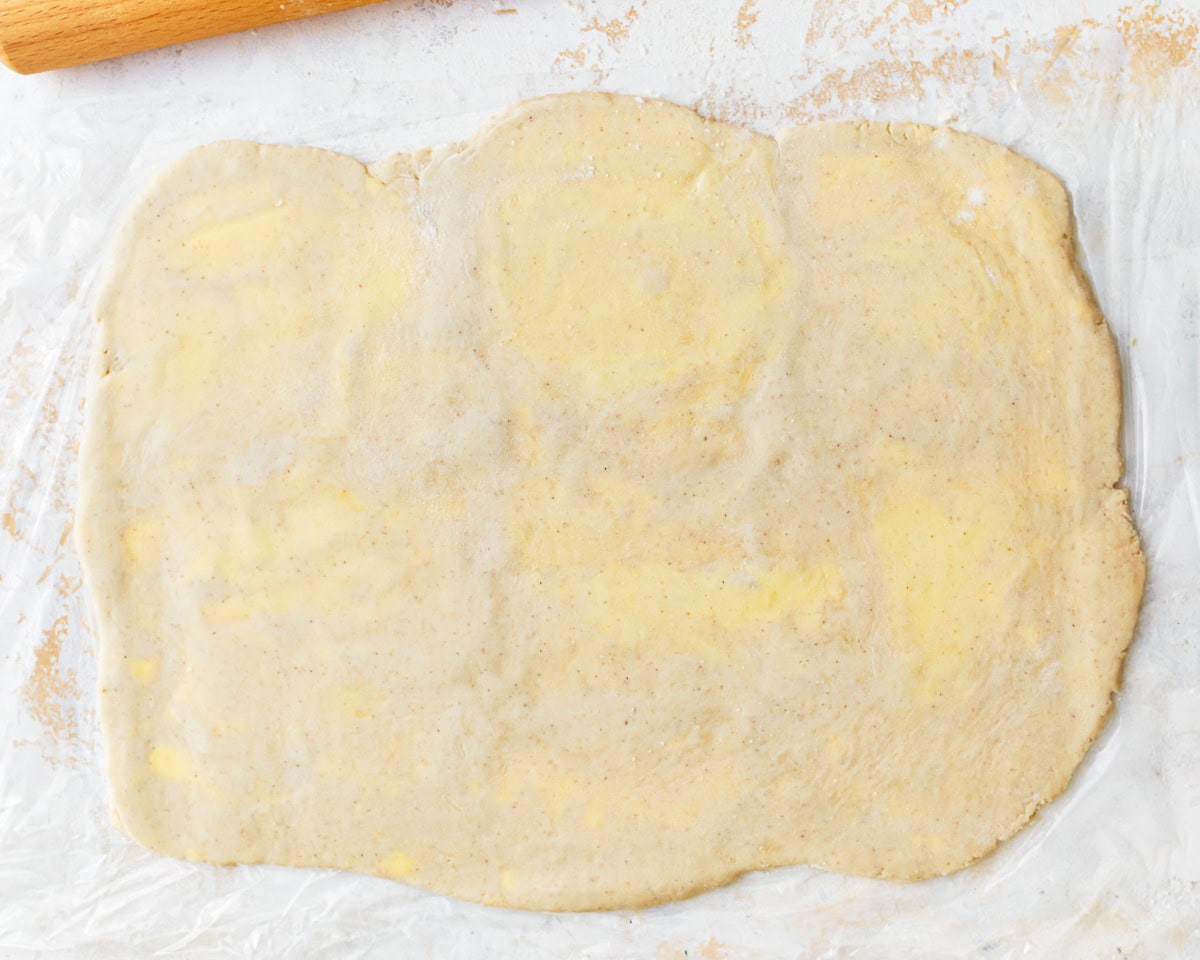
(1103, 95)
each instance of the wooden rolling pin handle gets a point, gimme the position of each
(37, 35)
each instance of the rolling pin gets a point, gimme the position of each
(37, 35)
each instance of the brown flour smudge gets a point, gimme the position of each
(838, 20)
(8, 523)
(1055, 79)
(51, 688)
(1064, 40)
(885, 80)
(746, 18)
(923, 11)
(822, 22)
(1157, 44)
(572, 58)
(730, 106)
(616, 29)
(1158, 41)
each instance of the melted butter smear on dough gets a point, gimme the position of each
(588, 513)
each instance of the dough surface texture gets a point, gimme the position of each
(585, 514)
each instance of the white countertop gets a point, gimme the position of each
(1100, 93)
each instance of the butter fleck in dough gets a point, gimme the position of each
(585, 514)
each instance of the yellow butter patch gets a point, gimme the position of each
(170, 762)
(141, 540)
(345, 702)
(593, 813)
(692, 611)
(398, 866)
(658, 227)
(947, 565)
(558, 794)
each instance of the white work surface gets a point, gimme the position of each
(1102, 94)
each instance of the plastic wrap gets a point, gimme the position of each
(1103, 95)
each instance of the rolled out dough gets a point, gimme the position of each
(585, 514)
